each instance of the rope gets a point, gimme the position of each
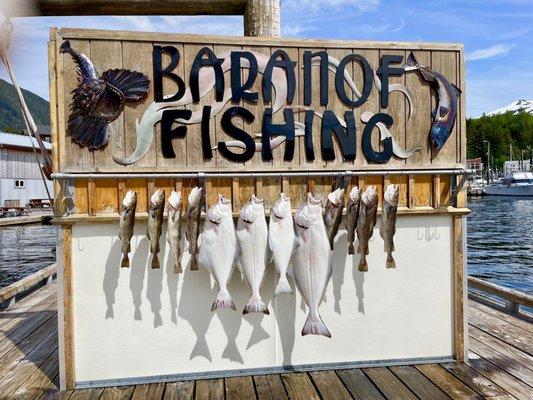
(6, 30)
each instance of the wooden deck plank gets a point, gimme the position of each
(210, 389)
(41, 381)
(503, 379)
(451, 385)
(179, 391)
(419, 384)
(358, 384)
(329, 385)
(239, 388)
(148, 391)
(500, 314)
(270, 387)
(117, 393)
(86, 394)
(388, 384)
(299, 386)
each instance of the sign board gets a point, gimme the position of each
(235, 103)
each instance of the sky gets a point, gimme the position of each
(497, 35)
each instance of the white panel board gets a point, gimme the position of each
(139, 322)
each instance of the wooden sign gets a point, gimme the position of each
(250, 104)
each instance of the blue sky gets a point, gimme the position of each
(497, 35)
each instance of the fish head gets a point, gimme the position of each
(254, 209)
(392, 194)
(440, 132)
(355, 194)
(336, 197)
(221, 210)
(310, 213)
(157, 198)
(195, 196)
(130, 199)
(370, 196)
(282, 207)
(175, 200)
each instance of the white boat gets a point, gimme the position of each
(516, 183)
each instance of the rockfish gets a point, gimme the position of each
(252, 236)
(366, 222)
(352, 214)
(194, 212)
(174, 229)
(281, 239)
(126, 225)
(387, 228)
(155, 224)
(333, 214)
(219, 250)
(311, 262)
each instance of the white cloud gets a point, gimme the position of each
(314, 6)
(497, 50)
(514, 34)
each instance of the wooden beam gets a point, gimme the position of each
(30, 281)
(262, 18)
(510, 295)
(26, 8)
(66, 342)
(459, 289)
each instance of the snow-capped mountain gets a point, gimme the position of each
(516, 106)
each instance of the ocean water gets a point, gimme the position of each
(500, 244)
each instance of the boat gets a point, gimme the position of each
(516, 183)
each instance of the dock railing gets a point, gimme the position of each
(18, 289)
(512, 299)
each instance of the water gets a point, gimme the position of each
(500, 244)
(500, 241)
(25, 249)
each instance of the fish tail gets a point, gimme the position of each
(351, 249)
(223, 300)
(255, 305)
(125, 262)
(194, 263)
(177, 267)
(315, 326)
(363, 265)
(155, 261)
(390, 262)
(65, 47)
(283, 286)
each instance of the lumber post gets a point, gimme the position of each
(262, 18)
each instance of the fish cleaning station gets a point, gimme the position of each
(248, 205)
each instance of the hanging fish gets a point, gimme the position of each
(99, 100)
(281, 239)
(126, 225)
(194, 211)
(333, 214)
(155, 224)
(352, 214)
(387, 229)
(311, 262)
(252, 236)
(366, 221)
(448, 94)
(174, 229)
(219, 250)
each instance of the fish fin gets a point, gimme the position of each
(457, 90)
(411, 61)
(87, 131)
(255, 305)
(315, 327)
(194, 263)
(443, 111)
(155, 262)
(283, 286)
(223, 300)
(363, 265)
(351, 249)
(390, 262)
(177, 268)
(133, 85)
(125, 262)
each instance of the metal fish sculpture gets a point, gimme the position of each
(333, 214)
(281, 239)
(252, 236)
(126, 225)
(99, 100)
(155, 224)
(366, 221)
(352, 213)
(219, 250)
(387, 229)
(311, 262)
(446, 111)
(194, 211)
(174, 229)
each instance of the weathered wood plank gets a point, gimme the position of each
(210, 389)
(500, 314)
(117, 393)
(239, 387)
(270, 387)
(452, 386)
(179, 391)
(86, 394)
(329, 385)
(149, 391)
(299, 386)
(360, 387)
(418, 383)
(458, 288)
(41, 380)
(389, 384)
(473, 379)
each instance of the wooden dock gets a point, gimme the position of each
(500, 366)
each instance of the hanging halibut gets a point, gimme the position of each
(194, 211)
(155, 224)
(281, 240)
(311, 262)
(174, 229)
(218, 252)
(333, 214)
(252, 236)
(352, 214)
(387, 228)
(126, 225)
(366, 222)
